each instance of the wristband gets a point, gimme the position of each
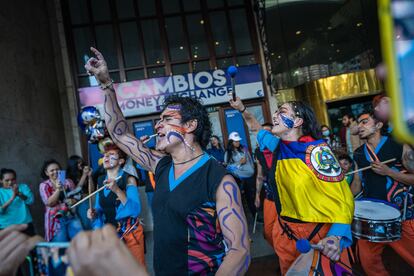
(106, 85)
(244, 109)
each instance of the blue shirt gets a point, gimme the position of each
(131, 208)
(218, 154)
(266, 139)
(18, 211)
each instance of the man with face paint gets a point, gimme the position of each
(118, 203)
(312, 198)
(387, 182)
(199, 223)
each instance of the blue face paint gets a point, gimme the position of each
(288, 122)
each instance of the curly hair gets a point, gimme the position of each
(192, 109)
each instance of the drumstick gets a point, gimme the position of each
(90, 191)
(150, 137)
(89, 179)
(92, 194)
(369, 167)
(254, 224)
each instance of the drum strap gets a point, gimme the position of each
(288, 231)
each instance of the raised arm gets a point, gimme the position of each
(114, 119)
(234, 226)
(252, 123)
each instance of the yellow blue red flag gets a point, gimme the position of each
(311, 184)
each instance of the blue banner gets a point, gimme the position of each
(145, 128)
(234, 122)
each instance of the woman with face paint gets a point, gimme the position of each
(118, 203)
(313, 200)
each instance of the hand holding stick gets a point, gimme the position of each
(92, 194)
(369, 167)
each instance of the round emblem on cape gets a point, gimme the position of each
(323, 163)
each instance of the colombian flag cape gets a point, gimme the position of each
(311, 184)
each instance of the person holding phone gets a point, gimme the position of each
(14, 202)
(60, 224)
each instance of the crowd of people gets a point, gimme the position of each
(303, 178)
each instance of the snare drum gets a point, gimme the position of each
(376, 221)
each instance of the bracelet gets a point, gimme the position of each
(244, 109)
(106, 85)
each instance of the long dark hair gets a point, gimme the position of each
(230, 148)
(310, 125)
(220, 146)
(72, 170)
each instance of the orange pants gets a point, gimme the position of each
(135, 243)
(269, 218)
(286, 248)
(370, 253)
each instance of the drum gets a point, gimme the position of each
(376, 221)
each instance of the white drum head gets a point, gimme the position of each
(375, 210)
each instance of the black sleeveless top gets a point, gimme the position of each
(109, 203)
(185, 220)
(384, 187)
(375, 185)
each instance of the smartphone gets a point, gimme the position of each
(397, 41)
(51, 259)
(62, 176)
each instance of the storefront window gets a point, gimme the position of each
(152, 41)
(136, 36)
(220, 31)
(176, 39)
(130, 44)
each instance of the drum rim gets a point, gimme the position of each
(399, 219)
(379, 239)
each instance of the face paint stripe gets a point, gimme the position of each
(287, 122)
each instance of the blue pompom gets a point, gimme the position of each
(303, 246)
(232, 71)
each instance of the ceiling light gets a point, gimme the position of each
(330, 28)
(298, 32)
(217, 43)
(398, 36)
(279, 57)
(181, 48)
(195, 56)
(332, 44)
(337, 50)
(303, 49)
(201, 22)
(359, 24)
(272, 54)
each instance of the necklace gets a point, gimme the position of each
(189, 160)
